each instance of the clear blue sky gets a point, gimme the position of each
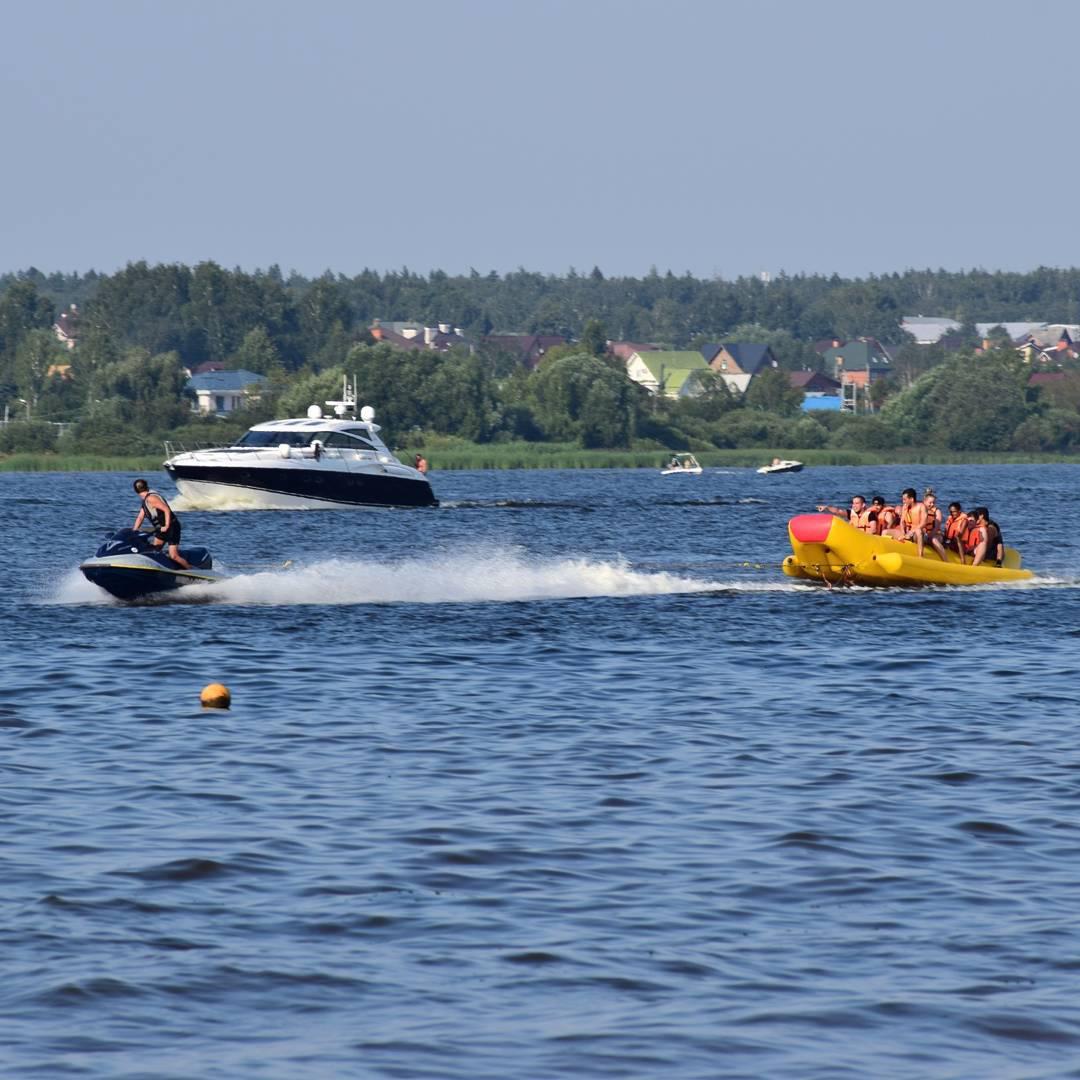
(848, 136)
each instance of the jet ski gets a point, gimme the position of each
(129, 567)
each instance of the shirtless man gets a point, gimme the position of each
(989, 544)
(912, 516)
(930, 532)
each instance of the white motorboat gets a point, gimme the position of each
(684, 464)
(315, 462)
(779, 466)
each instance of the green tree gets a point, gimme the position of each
(581, 398)
(714, 400)
(981, 403)
(258, 353)
(35, 354)
(146, 392)
(771, 391)
(594, 338)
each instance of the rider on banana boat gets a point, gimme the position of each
(912, 515)
(861, 516)
(957, 527)
(887, 517)
(989, 543)
(930, 532)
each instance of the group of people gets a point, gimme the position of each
(972, 534)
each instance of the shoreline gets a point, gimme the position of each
(553, 456)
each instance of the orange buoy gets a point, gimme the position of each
(215, 696)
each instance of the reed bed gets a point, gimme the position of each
(523, 455)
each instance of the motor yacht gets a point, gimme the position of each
(314, 462)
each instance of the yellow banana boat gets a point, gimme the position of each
(827, 548)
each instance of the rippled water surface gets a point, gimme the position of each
(563, 778)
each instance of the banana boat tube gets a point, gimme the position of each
(827, 548)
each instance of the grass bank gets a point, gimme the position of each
(567, 456)
(524, 455)
(42, 462)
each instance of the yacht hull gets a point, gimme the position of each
(312, 487)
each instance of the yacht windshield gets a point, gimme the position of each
(351, 439)
(276, 438)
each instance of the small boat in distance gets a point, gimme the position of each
(685, 464)
(778, 466)
(314, 462)
(128, 566)
(826, 548)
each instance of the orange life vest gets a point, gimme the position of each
(932, 522)
(862, 521)
(956, 527)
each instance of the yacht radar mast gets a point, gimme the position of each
(347, 404)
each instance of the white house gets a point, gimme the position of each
(222, 392)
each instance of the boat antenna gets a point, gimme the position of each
(347, 404)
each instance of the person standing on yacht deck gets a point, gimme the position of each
(165, 523)
(420, 464)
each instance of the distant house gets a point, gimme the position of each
(1048, 378)
(928, 329)
(737, 362)
(861, 362)
(413, 335)
(665, 372)
(857, 365)
(940, 329)
(66, 327)
(528, 348)
(623, 350)
(219, 393)
(819, 391)
(1051, 344)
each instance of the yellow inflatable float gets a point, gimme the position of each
(826, 548)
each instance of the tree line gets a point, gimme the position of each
(123, 387)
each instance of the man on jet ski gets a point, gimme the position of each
(165, 523)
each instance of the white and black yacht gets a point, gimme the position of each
(315, 462)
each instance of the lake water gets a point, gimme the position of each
(561, 779)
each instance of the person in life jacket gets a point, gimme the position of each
(860, 515)
(930, 531)
(165, 523)
(957, 526)
(912, 517)
(888, 520)
(989, 543)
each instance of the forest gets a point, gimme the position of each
(122, 389)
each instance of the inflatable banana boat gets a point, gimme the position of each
(827, 548)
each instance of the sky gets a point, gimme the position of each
(715, 137)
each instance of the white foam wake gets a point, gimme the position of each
(469, 577)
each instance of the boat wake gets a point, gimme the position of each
(474, 576)
(504, 575)
(470, 577)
